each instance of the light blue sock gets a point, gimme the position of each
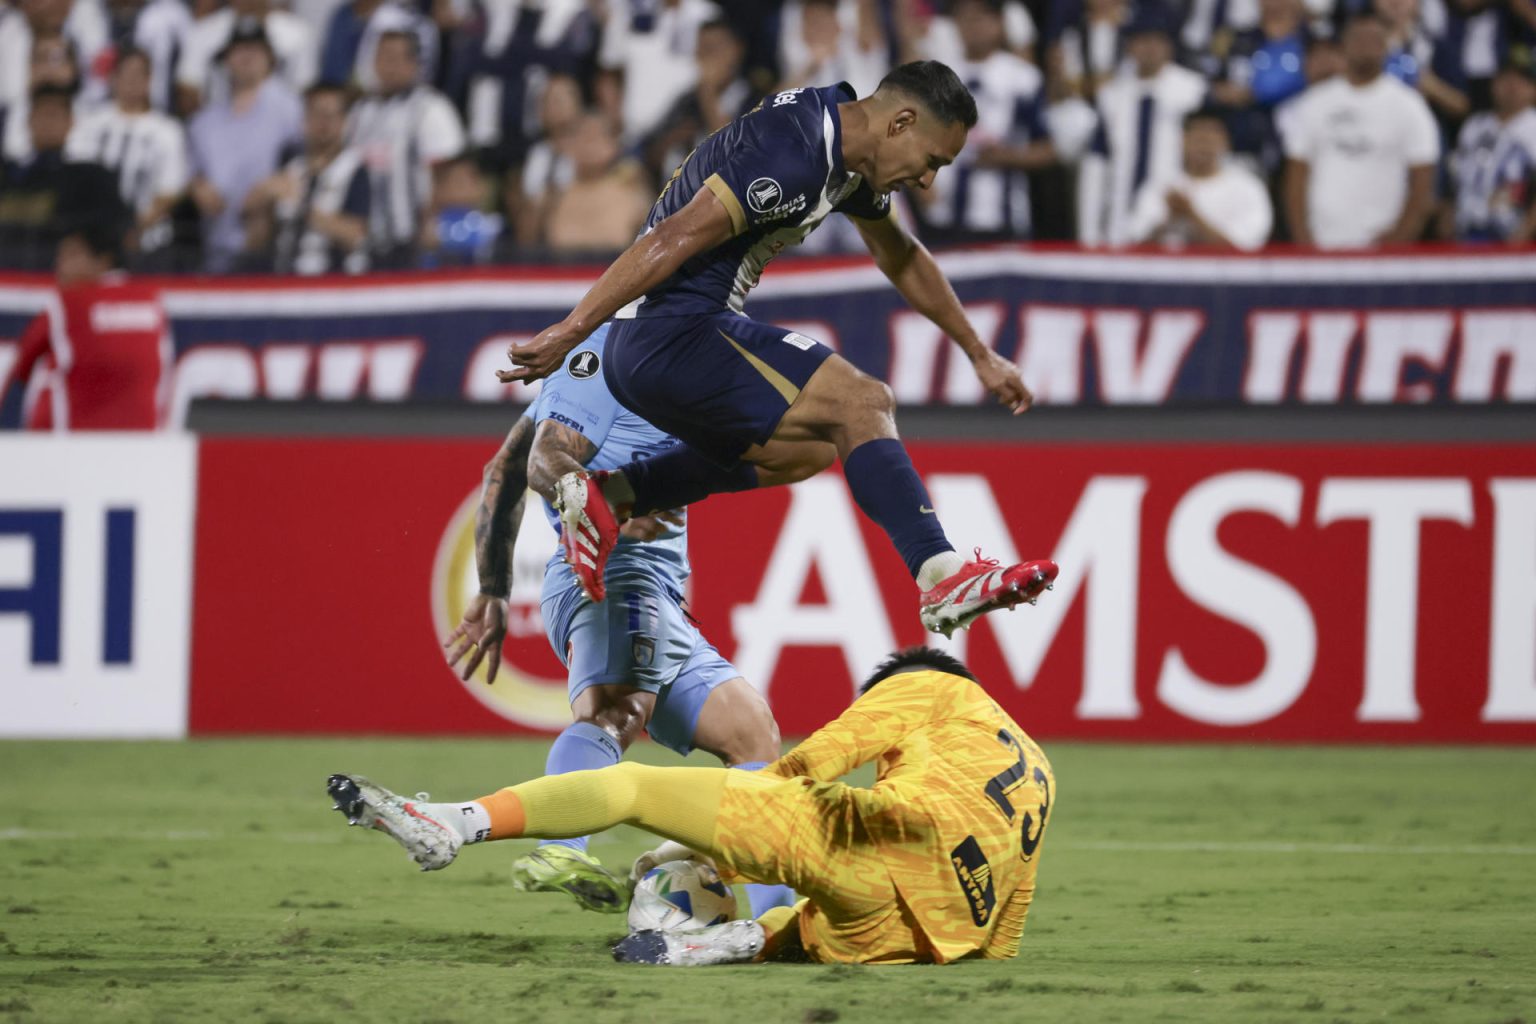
(763, 898)
(580, 747)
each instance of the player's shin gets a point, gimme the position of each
(581, 747)
(681, 476)
(763, 898)
(889, 491)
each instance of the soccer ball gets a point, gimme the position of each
(680, 895)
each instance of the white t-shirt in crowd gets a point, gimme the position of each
(1359, 142)
(399, 138)
(655, 46)
(293, 43)
(1233, 201)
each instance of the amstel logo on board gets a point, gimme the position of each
(530, 685)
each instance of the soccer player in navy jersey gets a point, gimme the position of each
(753, 402)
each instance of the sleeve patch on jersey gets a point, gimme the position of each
(583, 365)
(722, 191)
(975, 875)
(764, 194)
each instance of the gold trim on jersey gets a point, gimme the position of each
(722, 191)
(780, 383)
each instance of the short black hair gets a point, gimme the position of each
(914, 659)
(104, 238)
(936, 87)
(1206, 113)
(129, 53)
(330, 89)
(412, 40)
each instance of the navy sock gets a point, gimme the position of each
(681, 476)
(581, 746)
(890, 492)
(763, 898)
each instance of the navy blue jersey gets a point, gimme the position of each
(778, 170)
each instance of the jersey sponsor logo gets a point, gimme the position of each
(643, 650)
(800, 341)
(784, 210)
(765, 194)
(559, 418)
(975, 875)
(788, 96)
(583, 365)
(108, 317)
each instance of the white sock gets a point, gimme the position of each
(937, 568)
(472, 821)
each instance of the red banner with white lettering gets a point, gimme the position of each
(1207, 592)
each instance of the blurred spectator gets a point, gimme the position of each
(1361, 151)
(402, 130)
(824, 41)
(721, 95)
(525, 44)
(929, 32)
(459, 231)
(238, 142)
(81, 23)
(51, 63)
(1481, 33)
(99, 356)
(312, 216)
(1417, 58)
(1212, 27)
(985, 196)
(352, 41)
(160, 30)
(1139, 138)
(548, 170)
(1265, 67)
(44, 194)
(1212, 203)
(607, 201)
(647, 59)
(1494, 165)
(199, 77)
(1087, 53)
(146, 149)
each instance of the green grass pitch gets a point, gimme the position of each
(211, 881)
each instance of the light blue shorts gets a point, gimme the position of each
(640, 638)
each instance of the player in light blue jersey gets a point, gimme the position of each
(634, 661)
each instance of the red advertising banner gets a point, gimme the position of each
(1207, 592)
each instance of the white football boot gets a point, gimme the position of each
(430, 843)
(735, 942)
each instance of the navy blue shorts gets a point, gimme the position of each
(719, 383)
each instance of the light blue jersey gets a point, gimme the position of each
(640, 636)
(576, 397)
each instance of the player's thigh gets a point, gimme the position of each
(619, 642)
(804, 834)
(720, 383)
(838, 395)
(736, 725)
(788, 462)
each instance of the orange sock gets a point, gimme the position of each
(506, 811)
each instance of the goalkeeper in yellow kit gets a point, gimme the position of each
(933, 863)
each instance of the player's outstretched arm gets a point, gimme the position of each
(655, 256)
(872, 724)
(912, 269)
(497, 521)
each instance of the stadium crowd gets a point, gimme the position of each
(340, 135)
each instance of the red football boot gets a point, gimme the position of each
(979, 587)
(589, 530)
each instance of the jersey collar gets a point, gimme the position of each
(845, 94)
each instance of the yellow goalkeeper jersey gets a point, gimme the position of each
(959, 806)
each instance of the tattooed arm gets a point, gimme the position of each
(557, 450)
(497, 521)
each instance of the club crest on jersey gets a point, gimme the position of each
(764, 194)
(583, 365)
(644, 651)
